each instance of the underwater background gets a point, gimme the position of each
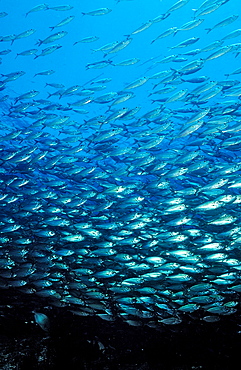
(120, 184)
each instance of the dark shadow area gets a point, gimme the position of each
(90, 343)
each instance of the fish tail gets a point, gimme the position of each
(208, 29)
(195, 11)
(174, 70)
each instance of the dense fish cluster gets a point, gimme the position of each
(114, 203)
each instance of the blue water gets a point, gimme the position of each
(69, 62)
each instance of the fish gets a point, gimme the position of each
(232, 34)
(7, 38)
(185, 43)
(98, 12)
(3, 14)
(52, 38)
(42, 320)
(48, 50)
(194, 65)
(23, 34)
(114, 204)
(224, 22)
(119, 46)
(37, 8)
(60, 7)
(166, 33)
(27, 52)
(63, 22)
(29, 95)
(87, 39)
(196, 80)
(177, 96)
(5, 52)
(136, 83)
(127, 62)
(179, 4)
(189, 25)
(45, 73)
(106, 47)
(122, 99)
(12, 76)
(99, 64)
(143, 27)
(204, 10)
(220, 52)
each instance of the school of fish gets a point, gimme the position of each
(130, 213)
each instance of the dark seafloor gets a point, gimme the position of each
(90, 343)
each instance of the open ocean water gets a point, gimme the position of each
(120, 143)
